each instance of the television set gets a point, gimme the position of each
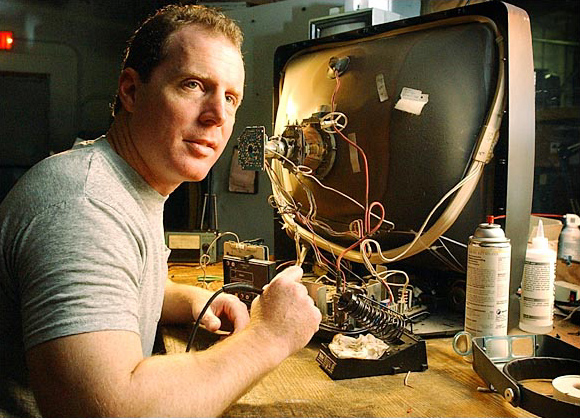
(392, 143)
(348, 21)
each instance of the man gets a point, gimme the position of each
(82, 259)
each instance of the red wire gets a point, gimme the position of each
(368, 208)
(490, 218)
(358, 242)
(360, 151)
(341, 255)
(382, 217)
(306, 221)
(366, 166)
(548, 215)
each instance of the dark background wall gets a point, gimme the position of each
(58, 81)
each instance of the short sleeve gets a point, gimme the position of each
(79, 264)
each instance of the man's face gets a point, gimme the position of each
(182, 118)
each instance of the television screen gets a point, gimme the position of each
(392, 143)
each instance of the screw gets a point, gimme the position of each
(508, 394)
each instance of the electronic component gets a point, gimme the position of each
(254, 272)
(190, 246)
(406, 352)
(246, 251)
(566, 292)
(251, 148)
(310, 143)
(382, 322)
(337, 65)
(409, 354)
(435, 181)
(403, 179)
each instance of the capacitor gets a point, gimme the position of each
(488, 281)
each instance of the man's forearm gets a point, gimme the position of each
(103, 374)
(205, 383)
(178, 301)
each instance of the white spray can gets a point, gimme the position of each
(488, 281)
(569, 240)
(537, 300)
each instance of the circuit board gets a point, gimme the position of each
(251, 148)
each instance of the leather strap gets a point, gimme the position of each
(543, 368)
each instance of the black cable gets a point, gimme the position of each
(348, 332)
(230, 287)
(567, 304)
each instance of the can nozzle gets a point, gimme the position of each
(572, 219)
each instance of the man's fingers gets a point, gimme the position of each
(295, 272)
(226, 311)
(291, 273)
(211, 322)
(239, 313)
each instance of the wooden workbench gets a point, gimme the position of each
(299, 387)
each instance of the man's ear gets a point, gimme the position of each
(128, 82)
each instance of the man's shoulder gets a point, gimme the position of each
(73, 166)
(82, 172)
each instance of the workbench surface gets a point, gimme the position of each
(299, 387)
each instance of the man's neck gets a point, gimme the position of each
(121, 140)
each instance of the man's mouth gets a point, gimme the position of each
(201, 147)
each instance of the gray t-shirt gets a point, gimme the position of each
(81, 250)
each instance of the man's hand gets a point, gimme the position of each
(226, 312)
(286, 312)
(183, 304)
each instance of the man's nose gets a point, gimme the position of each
(214, 110)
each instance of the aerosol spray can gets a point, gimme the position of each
(488, 281)
(569, 240)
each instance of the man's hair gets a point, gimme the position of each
(147, 48)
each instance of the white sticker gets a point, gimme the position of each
(381, 88)
(412, 101)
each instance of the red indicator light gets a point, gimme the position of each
(6, 40)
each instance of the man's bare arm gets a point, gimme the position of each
(104, 374)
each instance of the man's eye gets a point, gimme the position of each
(231, 99)
(192, 84)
